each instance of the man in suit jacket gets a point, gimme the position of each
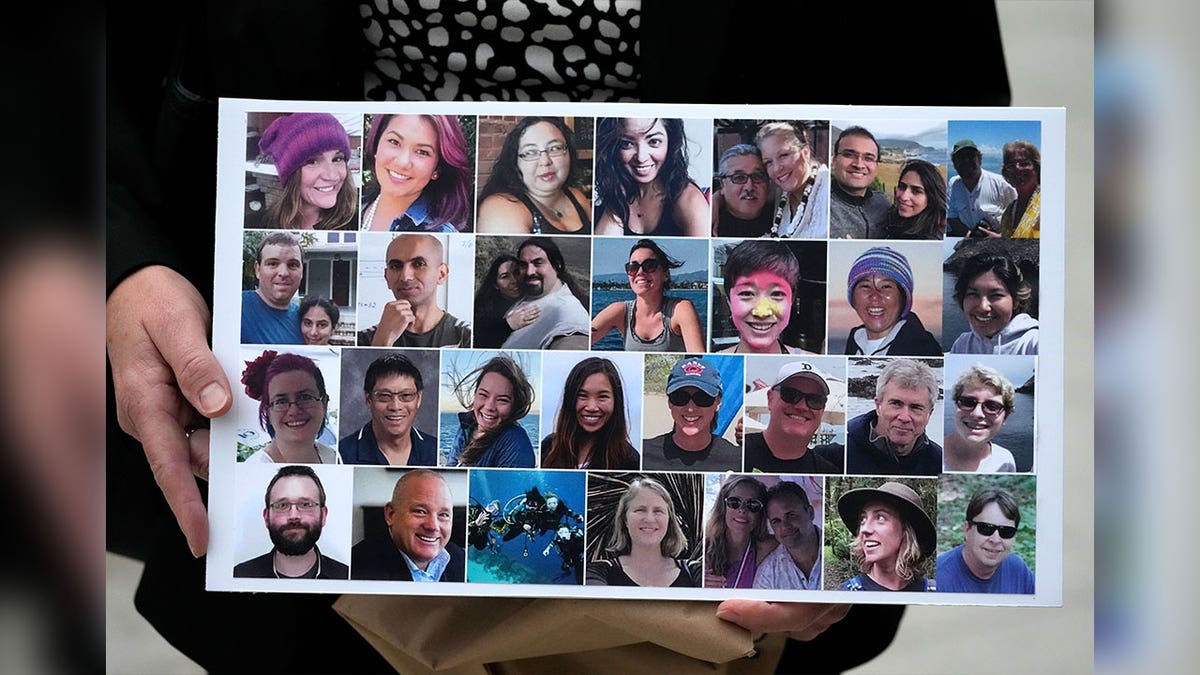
(419, 518)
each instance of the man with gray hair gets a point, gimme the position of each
(891, 440)
(742, 194)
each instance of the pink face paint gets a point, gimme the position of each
(758, 306)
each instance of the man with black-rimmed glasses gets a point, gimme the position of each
(984, 562)
(797, 403)
(392, 389)
(294, 514)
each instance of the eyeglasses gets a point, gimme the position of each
(533, 154)
(740, 178)
(792, 396)
(306, 506)
(385, 396)
(752, 505)
(679, 397)
(303, 402)
(856, 156)
(986, 529)
(969, 403)
(1023, 165)
(648, 265)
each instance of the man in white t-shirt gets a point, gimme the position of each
(977, 196)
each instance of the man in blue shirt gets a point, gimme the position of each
(269, 316)
(984, 562)
(392, 388)
(419, 519)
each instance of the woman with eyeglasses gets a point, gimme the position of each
(653, 321)
(693, 400)
(983, 399)
(292, 406)
(919, 203)
(1022, 168)
(803, 209)
(645, 539)
(994, 296)
(591, 431)
(736, 537)
(642, 180)
(534, 187)
(497, 395)
(421, 173)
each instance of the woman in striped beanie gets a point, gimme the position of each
(880, 289)
(310, 151)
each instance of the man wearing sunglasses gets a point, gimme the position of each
(741, 195)
(295, 514)
(984, 562)
(797, 402)
(796, 562)
(693, 400)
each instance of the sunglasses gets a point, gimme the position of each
(648, 265)
(679, 397)
(986, 529)
(969, 403)
(792, 396)
(752, 505)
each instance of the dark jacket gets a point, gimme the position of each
(378, 558)
(911, 340)
(867, 458)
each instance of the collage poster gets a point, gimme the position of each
(809, 353)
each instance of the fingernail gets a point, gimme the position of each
(212, 398)
(728, 615)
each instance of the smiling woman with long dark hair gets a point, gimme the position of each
(497, 395)
(591, 431)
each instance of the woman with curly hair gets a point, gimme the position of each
(497, 395)
(642, 180)
(292, 407)
(892, 535)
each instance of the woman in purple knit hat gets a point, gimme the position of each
(310, 151)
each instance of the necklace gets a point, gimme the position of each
(305, 575)
(557, 213)
(780, 210)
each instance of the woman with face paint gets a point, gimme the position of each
(642, 180)
(879, 288)
(653, 321)
(760, 285)
(292, 408)
(310, 151)
(496, 395)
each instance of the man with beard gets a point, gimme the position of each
(796, 562)
(742, 194)
(414, 267)
(563, 322)
(294, 514)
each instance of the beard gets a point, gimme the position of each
(300, 546)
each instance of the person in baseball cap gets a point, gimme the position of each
(880, 289)
(311, 152)
(976, 197)
(893, 535)
(694, 391)
(796, 401)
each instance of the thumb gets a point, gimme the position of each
(182, 341)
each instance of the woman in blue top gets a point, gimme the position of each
(893, 535)
(489, 435)
(421, 175)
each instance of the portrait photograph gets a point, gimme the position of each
(389, 395)
(987, 534)
(290, 405)
(490, 408)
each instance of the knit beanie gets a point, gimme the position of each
(293, 139)
(883, 261)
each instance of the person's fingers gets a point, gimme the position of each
(182, 344)
(170, 457)
(802, 621)
(198, 445)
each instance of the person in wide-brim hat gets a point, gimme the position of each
(893, 535)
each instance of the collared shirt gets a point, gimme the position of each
(779, 571)
(436, 567)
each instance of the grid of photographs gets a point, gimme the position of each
(783, 354)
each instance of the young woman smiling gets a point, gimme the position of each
(591, 431)
(489, 436)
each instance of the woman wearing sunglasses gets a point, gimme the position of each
(983, 400)
(653, 321)
(693, 398)
(292, 408)
(736, 536)
(534, 186)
